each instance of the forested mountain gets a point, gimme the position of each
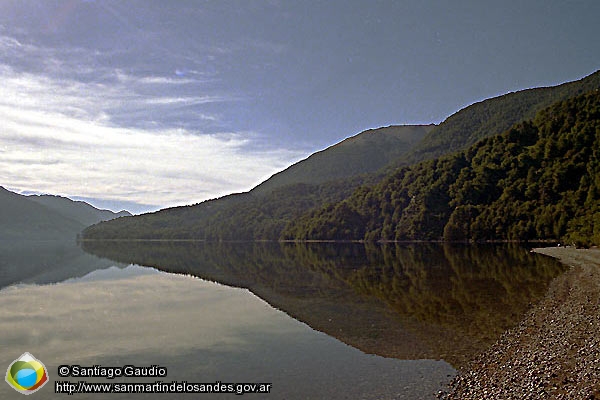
(280, 203)
(364, 153)
(327, 176)
(493, 116)
(45, 217)
(78, 210)
(538, 180)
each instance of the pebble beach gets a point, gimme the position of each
(554, 353)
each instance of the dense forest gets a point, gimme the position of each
(538, 180)
(493, 116)
(291, 205)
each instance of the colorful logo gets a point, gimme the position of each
(27, 374)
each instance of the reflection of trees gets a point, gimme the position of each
(405, 301)
(476, 291)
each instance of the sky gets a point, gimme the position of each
(145, 104)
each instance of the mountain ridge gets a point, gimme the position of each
(264, 211)
(80, 210)
(28, 218)
(538, 180)
(494, 116)
(363, 153)
(249, 216)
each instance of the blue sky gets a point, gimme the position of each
(147, 104)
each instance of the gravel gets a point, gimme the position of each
(554, 353)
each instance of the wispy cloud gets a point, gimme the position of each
(179, 77)
(107, 137)
(161, 80)
(185, 100)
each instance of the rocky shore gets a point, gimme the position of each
(554, 353)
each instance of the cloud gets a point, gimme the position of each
(8, 43)
(108, 83)
(161, 80)
(178, 78)
(75, 137)
(185, 100)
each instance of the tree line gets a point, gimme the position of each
(538, 180)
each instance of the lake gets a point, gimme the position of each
(331, 321)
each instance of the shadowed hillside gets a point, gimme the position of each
(538, 180)
(46, 217)
(289, 204)
(494, 116)
(364, 153)
(77, 210)
(327, 176)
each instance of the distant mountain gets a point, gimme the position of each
(45, 217)
(78, 210)
(364, 153)
(22, 218)
(326, 176)
(538, 180)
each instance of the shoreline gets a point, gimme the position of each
(554, 353)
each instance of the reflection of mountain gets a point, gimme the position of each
(408, 302)
(45, 262)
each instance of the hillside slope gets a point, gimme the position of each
(266, 211)
(78, 210)
(364, 153)
(538, 180)
(494, 116)
(45, 217)
(263, 212)
(21, 218)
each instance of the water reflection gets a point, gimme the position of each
(420, 301)
(200, 331)
(44, 262)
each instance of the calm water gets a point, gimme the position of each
(317, 321)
